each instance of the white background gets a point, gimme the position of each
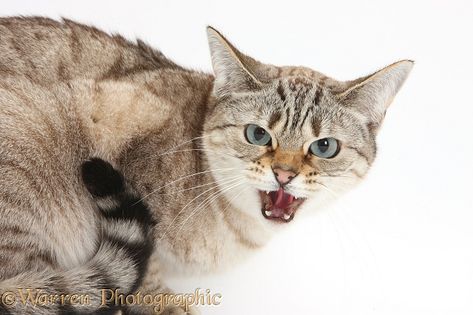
(402, 243)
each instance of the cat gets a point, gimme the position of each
(223, 161)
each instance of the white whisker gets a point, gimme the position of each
(173, 147)
(233, 198)
(336, 175)
(195, 187)
(209, 200)
(197, 149)
(185, 177)
(328, 189)
(190, 202)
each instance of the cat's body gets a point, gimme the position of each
(69, 92)
(80, 108)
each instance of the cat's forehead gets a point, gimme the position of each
(298, 71)
(300, 108)
(299, 78)
(293, 107)
(296, 89)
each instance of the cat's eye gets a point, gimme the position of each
(257, 135)
(325, 148)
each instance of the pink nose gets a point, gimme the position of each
(283, 176)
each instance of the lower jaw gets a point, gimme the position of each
(280, 220)
(287, 216)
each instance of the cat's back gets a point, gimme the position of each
(41, 59)
(48, 51)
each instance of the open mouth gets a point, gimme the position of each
(278, 205)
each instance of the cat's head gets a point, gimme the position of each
(282, 140)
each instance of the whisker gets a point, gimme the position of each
(195, 187)
(209, 200)
(197, 149)
(190, 202)
(185, 177)
(181, 144)
(233, 198)
(174, 147)
(336, 175)
(359, 243)
(328, 189)
(342, 247)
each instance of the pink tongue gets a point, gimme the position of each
(281, 201)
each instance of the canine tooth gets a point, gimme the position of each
(287, 216)
(267, 212)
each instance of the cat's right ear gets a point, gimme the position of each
(232, 69)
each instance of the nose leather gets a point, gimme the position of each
(286, 165)
(283, 176)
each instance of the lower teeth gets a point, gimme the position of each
(268, 213)
(287, 216)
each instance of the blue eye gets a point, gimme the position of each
(325, 148)
(256, 135)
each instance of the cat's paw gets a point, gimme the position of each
(100, 178)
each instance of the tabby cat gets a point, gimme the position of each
(223, 162)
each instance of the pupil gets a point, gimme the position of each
(323, 145)
(259, 133)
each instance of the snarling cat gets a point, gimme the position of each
(222, 161)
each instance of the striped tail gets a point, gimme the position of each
(119, 263)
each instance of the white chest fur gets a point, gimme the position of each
(223, 240)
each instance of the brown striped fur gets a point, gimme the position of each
(69, 92)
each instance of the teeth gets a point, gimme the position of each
(267, 212)
(287, 216)
(267, 192)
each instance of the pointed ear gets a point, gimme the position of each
(373, 94)
(231, 68)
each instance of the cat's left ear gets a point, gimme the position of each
(372, 95)
(234, 71)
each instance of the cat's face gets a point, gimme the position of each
(284, 140)
(291, 142)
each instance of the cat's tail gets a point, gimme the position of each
(117, 267)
